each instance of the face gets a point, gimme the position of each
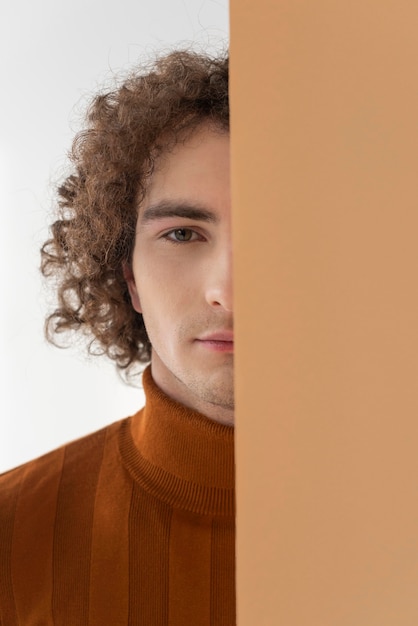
(181, 274)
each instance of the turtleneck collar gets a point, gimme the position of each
(180, 456)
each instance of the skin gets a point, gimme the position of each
(181, 274)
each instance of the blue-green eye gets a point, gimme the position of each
(181, 235)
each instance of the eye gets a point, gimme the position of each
(182, 235)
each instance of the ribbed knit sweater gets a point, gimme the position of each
(133, 524)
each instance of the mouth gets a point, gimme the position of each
(222, 341)
(220, 335)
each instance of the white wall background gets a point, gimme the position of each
(53, 56)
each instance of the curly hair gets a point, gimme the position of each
(112, 160)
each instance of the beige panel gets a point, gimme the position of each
(325, 200)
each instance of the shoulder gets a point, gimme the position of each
(73, 463)
(55, 494)
(47, 510)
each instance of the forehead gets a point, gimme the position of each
(196, 168)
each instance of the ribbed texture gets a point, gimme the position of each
(131, 525)
(9, 497)
(171, 489)
(73, 532)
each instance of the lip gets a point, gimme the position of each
(221, 341)
(222, 335)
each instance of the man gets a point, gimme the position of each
(134, 524)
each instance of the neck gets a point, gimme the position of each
(179, 455)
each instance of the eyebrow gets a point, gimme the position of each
(186, 210)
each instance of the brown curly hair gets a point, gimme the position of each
(112, 159)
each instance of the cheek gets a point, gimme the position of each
(168, 287)
(166, 309)
(156, 304)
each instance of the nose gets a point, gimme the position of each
(219, 288)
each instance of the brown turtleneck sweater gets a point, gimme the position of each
(133, 524)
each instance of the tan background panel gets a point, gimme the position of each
(325, 201)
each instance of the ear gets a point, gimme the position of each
(130, 281)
